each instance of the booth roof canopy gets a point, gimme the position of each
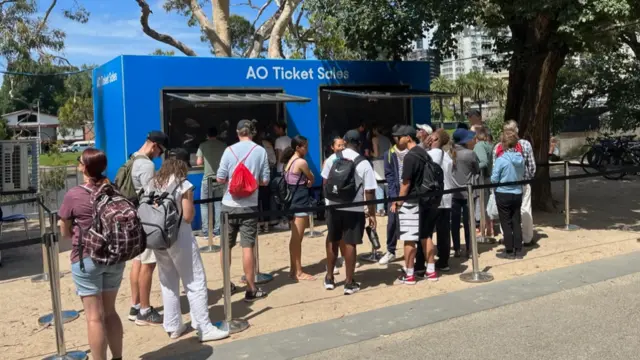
(395, 94)
(237, 97)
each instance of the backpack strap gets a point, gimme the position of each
(245, 157)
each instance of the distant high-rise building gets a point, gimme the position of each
(423, 52)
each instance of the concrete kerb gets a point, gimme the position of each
(309, 339)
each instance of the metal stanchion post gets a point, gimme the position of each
(261, 278)
(370, 257)
(51, 244)
(476, 276)
(234, 325)
(312, 233)
(43, 230)
(210, 248)
(483, 213)
(567, 209)
(67, 315)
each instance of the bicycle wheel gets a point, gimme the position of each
(591, 161)
(612, 163)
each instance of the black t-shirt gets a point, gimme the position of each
(413, 168)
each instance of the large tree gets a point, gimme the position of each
(534, 39)
(228, 35)
(76, 111)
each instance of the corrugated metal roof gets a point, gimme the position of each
(253, 97)
(399, 94)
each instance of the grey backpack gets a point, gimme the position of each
(160, 217)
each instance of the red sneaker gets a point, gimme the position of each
(407, 280)
(432, 276)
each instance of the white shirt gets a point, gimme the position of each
(281, 144)
(443, 159)
(365, 177)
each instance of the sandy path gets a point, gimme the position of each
(607, 212)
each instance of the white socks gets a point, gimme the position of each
(410, 272)
(431, 268)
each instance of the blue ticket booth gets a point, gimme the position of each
(184, 96)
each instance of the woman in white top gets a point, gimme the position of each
(182, 260)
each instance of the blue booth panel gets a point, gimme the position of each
(129, 93)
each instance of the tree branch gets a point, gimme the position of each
(275, 41)
(260, 11)
(205, 25)
(43, 23)
(164, 38)
(262, 34)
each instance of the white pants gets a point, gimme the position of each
(527, 216)
(183, 262)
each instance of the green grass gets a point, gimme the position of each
(59, 159)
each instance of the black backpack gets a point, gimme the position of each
(432, 182)
(341, 182)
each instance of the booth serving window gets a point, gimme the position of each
(188, 114)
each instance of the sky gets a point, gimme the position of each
(114, 29)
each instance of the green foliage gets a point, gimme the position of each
(241, 32)
(495, 123)
(4, 134)
(160, 52)
(53, 179)
(76, 110)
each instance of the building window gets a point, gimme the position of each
(419, 44)
(27, 118)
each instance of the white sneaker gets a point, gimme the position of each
(282, 226)
(181, 330)
(386, 259)
(336, 268)
(213, 334)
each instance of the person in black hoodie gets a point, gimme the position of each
(417, 219)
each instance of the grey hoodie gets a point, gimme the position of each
(465, 169)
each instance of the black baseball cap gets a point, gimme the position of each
(352, 136)
(159, 138)
(180, 154)
(405, 130)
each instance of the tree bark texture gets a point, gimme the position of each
(164, 38)
(221, 22)
(532, 79)
(262, 34)
(275, 40)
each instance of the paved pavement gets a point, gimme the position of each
(600, 321)
(586, 311)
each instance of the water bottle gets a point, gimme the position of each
(373, 237)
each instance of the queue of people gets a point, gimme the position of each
(418, 161)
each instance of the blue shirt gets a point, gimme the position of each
(508, 168)
(257, 162)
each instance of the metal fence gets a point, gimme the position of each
(54, 182)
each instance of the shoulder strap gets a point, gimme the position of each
(441, 158)
(246, 156)
(358, 160)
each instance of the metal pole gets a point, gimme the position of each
(67, 315)
(234, 325)
(261, 278)
(476, 276)
(210, 248)
(312, 233)
(567, 208)
(483, 213)
(440, 100)
(53, 253)
(43, 230)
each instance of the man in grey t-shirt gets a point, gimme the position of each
(141, 276)
(209, 154)
(254, 157)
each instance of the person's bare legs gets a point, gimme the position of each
(96, 333)
(429, 250)
(409, 255)
(298, 225)
(112, 323)
(145, 280)
(248, 264)
(332, 256)
(349, 262)
(135, 285)
(343, 247)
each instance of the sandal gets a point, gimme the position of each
(251, 296)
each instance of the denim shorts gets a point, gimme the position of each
(96, 278)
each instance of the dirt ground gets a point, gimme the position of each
(606, 212)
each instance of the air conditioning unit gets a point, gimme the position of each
(14, 166)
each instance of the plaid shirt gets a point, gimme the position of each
(529, 160)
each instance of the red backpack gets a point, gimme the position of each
(243, 183)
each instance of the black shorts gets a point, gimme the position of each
(345, 225)
(416, 222)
